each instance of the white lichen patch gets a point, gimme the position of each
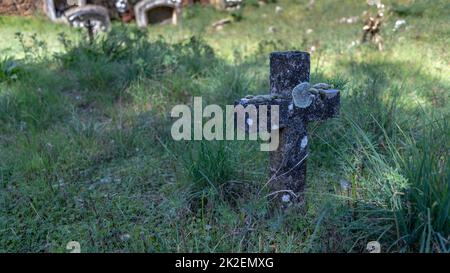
(304, 142)
(286, 198)
(291, 107)
(399, 24)
(301, 95)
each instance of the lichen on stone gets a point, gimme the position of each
(301, 95)
(304, 142)
(244, 100)
(314, 91)
(323, 86)
(286, 198)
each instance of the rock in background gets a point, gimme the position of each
(20, 7)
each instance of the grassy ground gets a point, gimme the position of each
(86, 152)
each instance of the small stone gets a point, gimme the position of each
(345, 185)
(271, 29)
(399, 24)
(125, 237)
(220, 24)
(249, 97)
(300, 94)
(22, 126)
(278, 9)
(353, 44)
(105, 180)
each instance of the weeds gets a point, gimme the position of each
(9, 70)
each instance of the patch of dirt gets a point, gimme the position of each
(20, 7)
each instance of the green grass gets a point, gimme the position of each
(86, 152)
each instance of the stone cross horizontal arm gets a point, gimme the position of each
(325, 105)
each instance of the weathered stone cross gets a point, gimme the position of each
(299, 103)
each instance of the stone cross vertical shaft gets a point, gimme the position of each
(288, 164)
(289, 73)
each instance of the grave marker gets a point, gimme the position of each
(299, 104)
(92, 17)
(157, 12)
(55, 9)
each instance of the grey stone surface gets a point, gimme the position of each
(301, 95)
(287, 70)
